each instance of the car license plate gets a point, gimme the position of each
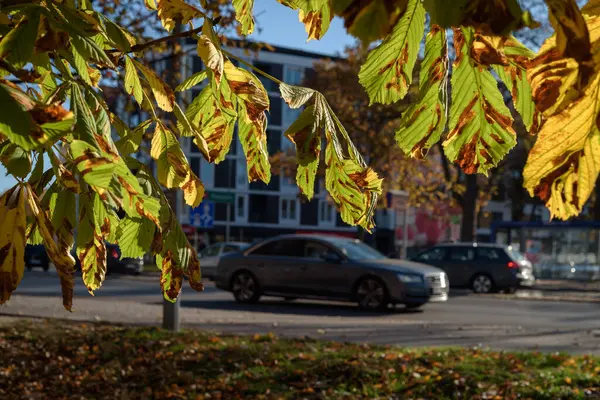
(436, 291)
(35, 262)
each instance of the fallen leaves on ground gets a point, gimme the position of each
(60, 360)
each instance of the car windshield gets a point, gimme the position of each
(357, 250)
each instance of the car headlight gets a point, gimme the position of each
(410, 278)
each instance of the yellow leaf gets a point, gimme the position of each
(62, 258)
(193, 190)
(243, 13)
(568, 380)
(162, 92)
(12, 241)
(211, 56)
(171, 11)
(564, 163)
(173, 167)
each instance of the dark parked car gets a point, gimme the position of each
(319, 266)
(36, 256)
(483, 267)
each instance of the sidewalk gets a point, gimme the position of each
(567, 286)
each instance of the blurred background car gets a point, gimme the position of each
(328, 267)
(210, 256)
(483, 267)
(36, 257)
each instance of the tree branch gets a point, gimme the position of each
(143, 46)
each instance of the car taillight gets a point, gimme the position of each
(512, 264)
(115, 253)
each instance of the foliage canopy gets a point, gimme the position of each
(54, 54)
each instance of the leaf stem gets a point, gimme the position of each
(277, 81)
(144, 46)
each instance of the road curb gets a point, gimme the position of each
(569, 299)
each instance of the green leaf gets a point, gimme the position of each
(95, 169)
(85, 124)
(171, 162)
(513, 73)
(62, 207)
(16, 160)
(305, 133)
(135, 236)
(353, 187)
(38, 170)
(191, 81)
(14, 121)
(90, 51)
(132, 81)
(424, 121)
(122, 39)
(81, 66)
(481, 132)
(215, 120)
(243, 14)
(130, 142)
(17, 46)
(387, 73)
(91, 248)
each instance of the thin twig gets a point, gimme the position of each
(143, 46)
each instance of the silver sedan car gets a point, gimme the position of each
(328, 267)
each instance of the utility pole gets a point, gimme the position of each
(171, 320)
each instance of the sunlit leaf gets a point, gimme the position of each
(132, 81)
(135, 236)
(61, 257)
(369, 20)
(423, 122)
(93, 226)
(306, 134)
(96, 169)
(170, 160)
(564, 163)
(163, 94)
(12, 241)
(191, 81)
(243, 14)
(172, 11)
(387, 73)
(480, 125)
(316, 15)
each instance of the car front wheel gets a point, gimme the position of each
(245, 287)
(371, 294)
(482, 284)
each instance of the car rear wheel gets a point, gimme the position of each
(245, 287)
(371, 294)
(482, 284)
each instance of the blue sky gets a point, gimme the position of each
(280, 26)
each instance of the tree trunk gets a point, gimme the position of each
(596, 210)
(469, 204)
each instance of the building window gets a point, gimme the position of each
(195, 165)
(288, 210)
(294, 75)
(273, 141)
(263, 209)
(309, 213)
(225, 174)
(273, 186)
(241, 209)
(221, 212)
(274, 114)
(326, 212)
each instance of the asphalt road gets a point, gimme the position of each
(466, 319)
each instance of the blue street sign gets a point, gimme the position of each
(203, 216)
